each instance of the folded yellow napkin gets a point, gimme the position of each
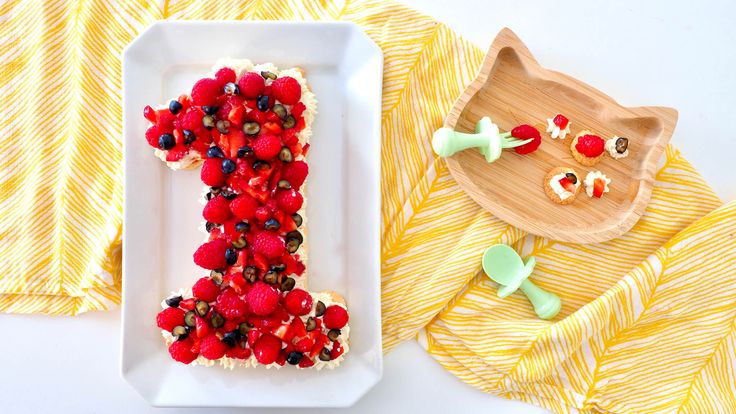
(647, 321)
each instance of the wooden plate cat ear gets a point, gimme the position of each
(513, 89)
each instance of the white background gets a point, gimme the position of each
(679, 54)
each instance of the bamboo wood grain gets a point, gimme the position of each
(512, 88)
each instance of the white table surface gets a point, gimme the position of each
(669, 53)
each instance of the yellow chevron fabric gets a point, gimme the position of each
(647, 323)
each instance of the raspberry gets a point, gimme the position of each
(181, 351)
(268, 244)
(295, 173)
(590, 145)
(217, 210)
(152, 134)
(225, 75)
(205, 92)
(191, 120)
(335, 317)
(251, 85)
(165, 119)
(168, 318)
(298, 302)
(230, 305)
(262, 299)
(211, 255)
(525, 132)
(286, 90)
(211, 172)
(266, 349)
(212, 347)
(561, 121)
(267, 146)
(205, 289)
(290, 201)
(238, 353)
(244, 207)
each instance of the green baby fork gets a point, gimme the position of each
(446, 141)
(504, 266)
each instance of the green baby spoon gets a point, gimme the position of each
(488, 140)
(504, 266)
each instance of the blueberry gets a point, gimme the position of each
(215, 152)
(228, 166)
(262, 103)
(189, 137)
(174, 107)
(174, 301)
(166, 141)
(294, 357)
(230, 338)
(231, 256)
(242, 226)
(244, 152)
(271, 224)
(231, 89)
(210, 110)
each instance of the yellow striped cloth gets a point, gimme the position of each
(648, 319)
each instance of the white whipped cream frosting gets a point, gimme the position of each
(611, 148)
(555, 131)
(554, 183)
(590, 182)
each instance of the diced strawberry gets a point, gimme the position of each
(188, 304)
(300, 124)
(149, 114)
(201, 326)
(289, 137)
(185, 101)
(304, 344)
(236, 280)
(598, 186)
(272, 117)
(260, 262)
(298, 328)
(337, 350)
(298, 109)
(561, 121)
(178, 137)
(256, 116)
(287, 224)
(283, 332)
(236, 140)
(319, 343)
(281, 358)
(253, 336)
(235, 116)
(306, 363)
(567, 184)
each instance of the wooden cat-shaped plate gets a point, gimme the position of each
(512, 88)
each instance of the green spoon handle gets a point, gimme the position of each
(546, 304)
(446, 142)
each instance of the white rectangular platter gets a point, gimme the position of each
(162, 211)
